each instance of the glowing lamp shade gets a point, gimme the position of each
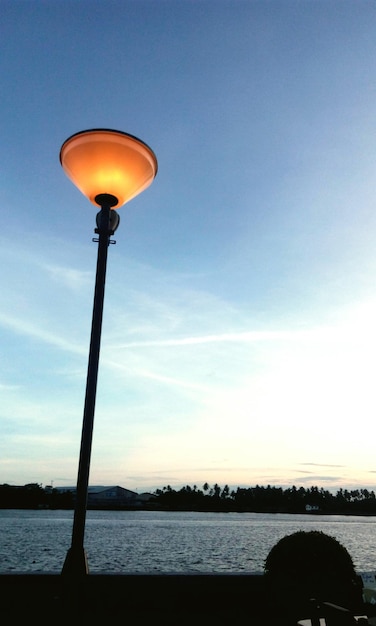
(103, 161)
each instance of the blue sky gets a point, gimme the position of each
(238, 340)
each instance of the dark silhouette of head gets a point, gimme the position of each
(307, 566)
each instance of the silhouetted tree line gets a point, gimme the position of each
(268, 499)
(213, 498)
(33, 496)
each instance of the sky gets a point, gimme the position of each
(238, 341)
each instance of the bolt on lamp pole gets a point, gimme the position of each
(110, 168)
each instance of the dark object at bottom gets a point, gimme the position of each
(309, 572)
(159, 599)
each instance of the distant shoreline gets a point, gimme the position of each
(183, 510)
(311, 501)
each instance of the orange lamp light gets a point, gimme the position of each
(110, 162)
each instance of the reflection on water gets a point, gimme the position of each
(157, 542)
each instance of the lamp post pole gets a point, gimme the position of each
(76, 561)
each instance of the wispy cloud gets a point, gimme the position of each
(24, 327)
(322, 464)
(241, 337)
(322, 478)
(70, 277)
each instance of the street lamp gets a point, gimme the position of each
(110, 168)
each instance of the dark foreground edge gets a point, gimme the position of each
(168, 599)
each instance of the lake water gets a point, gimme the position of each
(163, 542)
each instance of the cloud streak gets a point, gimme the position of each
(24, 327)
